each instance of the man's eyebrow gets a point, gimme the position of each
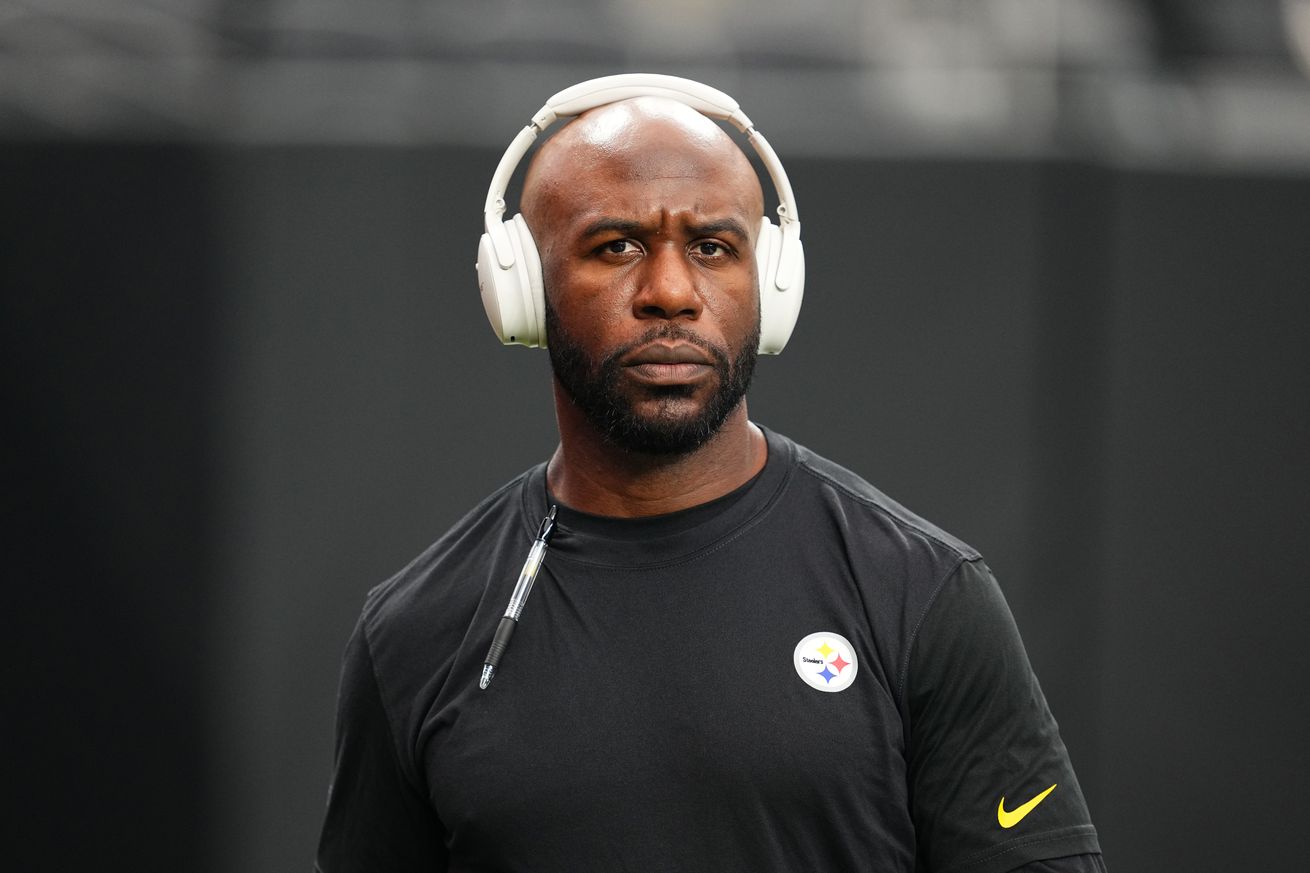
(730, 226)
(716, 227)
(605, 225)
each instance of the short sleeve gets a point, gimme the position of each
(377, 819)
(991, 785)
(1068, 864)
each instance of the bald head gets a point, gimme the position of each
(641, 140)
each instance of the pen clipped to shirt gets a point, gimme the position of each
(505, 630)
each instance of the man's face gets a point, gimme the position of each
(652, 315)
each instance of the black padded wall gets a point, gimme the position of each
(109, 334)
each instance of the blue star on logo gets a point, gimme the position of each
(827, 675)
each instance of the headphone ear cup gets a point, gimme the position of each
(534, 294)
(512, 295)
(768, 247)
(779, 308)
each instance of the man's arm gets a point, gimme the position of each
(377, 817)
(991, 786)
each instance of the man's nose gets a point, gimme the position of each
(668, 286)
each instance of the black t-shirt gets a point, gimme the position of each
(801, 675)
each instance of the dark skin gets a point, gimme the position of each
(646, 212)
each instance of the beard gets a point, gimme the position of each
(594, 387)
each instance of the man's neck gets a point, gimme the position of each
(589, 474)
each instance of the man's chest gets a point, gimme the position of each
(705, 710)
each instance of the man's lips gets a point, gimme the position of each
(668, 353)
(669, 364)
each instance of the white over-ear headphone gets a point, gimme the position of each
(509, 268)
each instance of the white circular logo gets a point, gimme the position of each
(825, 661)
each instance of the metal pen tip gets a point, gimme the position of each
(487, 672)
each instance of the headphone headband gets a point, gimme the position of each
(575, 100)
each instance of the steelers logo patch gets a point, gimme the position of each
(826, 661)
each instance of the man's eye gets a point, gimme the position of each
(618, 247)
(711, 249)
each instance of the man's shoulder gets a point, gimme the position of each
(855, 494)
(445, 582)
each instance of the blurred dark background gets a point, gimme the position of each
(1057, 303)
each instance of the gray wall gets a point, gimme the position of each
(250, 383)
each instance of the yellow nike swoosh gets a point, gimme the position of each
(1010, 819)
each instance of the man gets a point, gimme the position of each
(738, 655)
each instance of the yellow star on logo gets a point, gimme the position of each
(825, 650)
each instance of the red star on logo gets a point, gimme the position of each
(839, 663)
